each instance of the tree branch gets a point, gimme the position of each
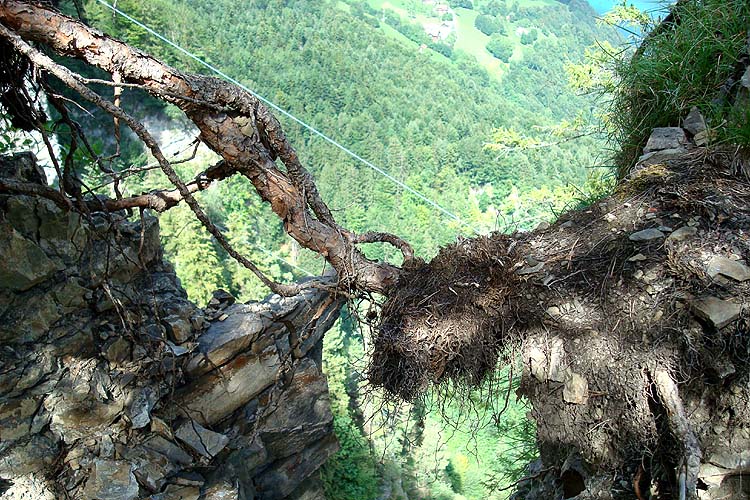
(163, 200)
(68, 78)
(373, 237)
(30, 189)
(232, 122)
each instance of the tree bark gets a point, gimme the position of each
(232, 122)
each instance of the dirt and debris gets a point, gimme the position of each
(602, 306)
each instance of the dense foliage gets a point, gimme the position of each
(500, 47)
(488, 24)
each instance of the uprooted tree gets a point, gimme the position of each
(631, 316)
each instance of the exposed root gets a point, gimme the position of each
(443, 320)
(689, 466)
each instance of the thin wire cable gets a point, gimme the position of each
(290, 116)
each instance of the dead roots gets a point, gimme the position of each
(443, 320)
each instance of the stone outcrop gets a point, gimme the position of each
(673, 296)
(113, 385)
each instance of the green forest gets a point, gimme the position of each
(480, 121)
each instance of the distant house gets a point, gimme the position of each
(442, 9)
(438, 31)
(521, 31)
(429, 2)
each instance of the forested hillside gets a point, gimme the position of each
(426, 112)
(424, 119)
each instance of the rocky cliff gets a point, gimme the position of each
(113, 385)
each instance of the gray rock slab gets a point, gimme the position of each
(649, 234)
(178, 329)
(666, 138)
(24, 264)
(716, 311)
(219, 393)
(745, 80)
(734, 269)
(694, 121)
(169, 449)
(204, 441)
(287, 474)
(302, 415)
(151, 468)
(111, 480)
(139, 408)
(682, 233)
(225, 339)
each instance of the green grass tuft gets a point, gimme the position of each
(679, 65)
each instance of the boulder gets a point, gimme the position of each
(663, 138)
(111, 480)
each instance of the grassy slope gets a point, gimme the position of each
(468, 39)
(472, 41)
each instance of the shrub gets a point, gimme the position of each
(529, 37)
(500, 47)
(441, 48)
(488, 24)
(464, 4)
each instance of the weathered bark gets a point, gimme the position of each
(113, 385)
(232, 122)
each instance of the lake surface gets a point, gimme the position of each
(655, 7)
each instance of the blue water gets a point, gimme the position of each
(654, 7)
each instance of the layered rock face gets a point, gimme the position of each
(114, 386)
